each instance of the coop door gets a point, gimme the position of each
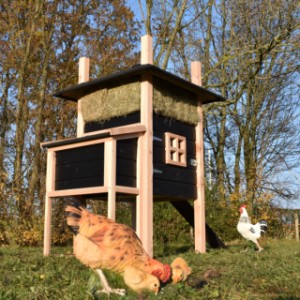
(175, 149)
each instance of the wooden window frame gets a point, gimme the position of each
(175, 149)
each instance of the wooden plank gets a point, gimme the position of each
(83, 76)
(133, 128)
(144, 155)
(199, 203)
(146, 50)
(80, 191)
(127, 190)
(110, 164)
(50, 185)
(80, 144)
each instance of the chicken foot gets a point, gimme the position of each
(260, 248)
(106, 287)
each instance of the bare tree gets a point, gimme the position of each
(250, 55)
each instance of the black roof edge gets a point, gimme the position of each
(75, 92)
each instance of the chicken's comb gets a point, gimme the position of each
(243, 206)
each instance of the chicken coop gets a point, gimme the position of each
(139, 137)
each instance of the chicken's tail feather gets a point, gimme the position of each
(74, 212)
(263, 225)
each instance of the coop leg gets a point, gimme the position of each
(47, 225)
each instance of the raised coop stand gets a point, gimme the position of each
(140, 138)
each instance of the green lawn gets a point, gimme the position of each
(219, 274)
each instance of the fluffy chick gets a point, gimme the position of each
(139, 280)
(180, 270)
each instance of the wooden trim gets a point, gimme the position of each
(97, 132)
(83, 76)
(80, 144)
(196, 73)
(129, 129)
(146, 50)
(145, 168)
(80, 191)
(199, 203)
(175, 154)
(110, 164)
(121, 130)
(50, 185)
(93, 190)
(127, 190)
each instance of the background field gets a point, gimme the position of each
(229, 273)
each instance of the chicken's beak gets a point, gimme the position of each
(156, 291)
(175, 279)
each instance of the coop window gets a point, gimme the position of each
(175, 149)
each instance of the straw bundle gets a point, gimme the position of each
(168, 100)
(105, 104)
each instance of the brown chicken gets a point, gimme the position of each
(180, 270)
(101, 243)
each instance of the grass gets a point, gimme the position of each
(219, 274)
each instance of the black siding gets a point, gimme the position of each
(80, 167)
(126, 162)
(113, 122)
(170, 180)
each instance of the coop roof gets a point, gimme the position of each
(76, 92)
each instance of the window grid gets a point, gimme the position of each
(175, 149)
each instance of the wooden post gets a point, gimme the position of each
(110, 165)
(146, 50)
(83, 76)
(144, 201)
(296, 217)
(50, 186)
(199, 203)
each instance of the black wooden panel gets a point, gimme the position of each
(170, 180)
(79, 183)
(174, 173)
(126, 162)
(80, 154)
(127, 149)
(80, 167)
(174, 189)
(126, 181)
(162, 124)
(113, 122)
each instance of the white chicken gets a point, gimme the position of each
(249, 231)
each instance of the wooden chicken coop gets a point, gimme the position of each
(139, 136)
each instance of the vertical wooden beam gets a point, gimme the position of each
(50, 186)
(146, 50)
(144, 203)
(110, 173)
(296, 224)
(83, 76)
(199, 203)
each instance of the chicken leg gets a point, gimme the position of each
(260, 248)
(106, 287)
